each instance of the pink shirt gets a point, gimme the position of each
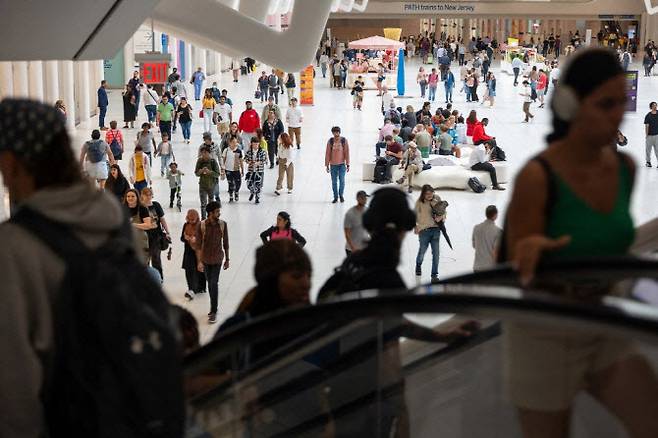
(385, 130)
(337, 152)
(285, 234)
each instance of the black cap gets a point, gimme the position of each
(389, 209)
(28, 126)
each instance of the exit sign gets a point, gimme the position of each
(154, 72)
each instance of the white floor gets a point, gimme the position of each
(319, 221)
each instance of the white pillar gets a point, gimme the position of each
(128, 61)
(189, 68)
(35, 79)
(52, 81)
(21, 87)
(6, 79)
(173, 51)
(217, 60)
(67, 93)
(83, 90)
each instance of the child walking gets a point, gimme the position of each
(166, 152)
(175, 182)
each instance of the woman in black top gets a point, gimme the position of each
(140, 218)
(117, 183)
(282, 230)
(155, 234)
(129, 107)
(184, 117)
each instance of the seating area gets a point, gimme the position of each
(447, 176)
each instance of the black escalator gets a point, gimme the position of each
(400, 365)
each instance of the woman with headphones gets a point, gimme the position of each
(573, 200)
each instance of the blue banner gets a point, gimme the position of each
(400, 85)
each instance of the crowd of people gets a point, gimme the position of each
(373, 231)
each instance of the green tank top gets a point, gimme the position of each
(592, 233)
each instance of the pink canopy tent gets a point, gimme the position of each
(376, 43)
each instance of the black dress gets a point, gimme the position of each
(129, 107)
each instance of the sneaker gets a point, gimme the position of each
(290, 191)
(251, 197)
(499, 188)
(410, 189)
(257, 200)
(237, 197)
(212, 318)
(171, 205)
(189, 295)
(162, 174)
(104, 128)
(334, 201)
(342, 199)
(434, 279)
(418, 271)
(648, 163)
(230, 200)
(298, 147)
(276, 192)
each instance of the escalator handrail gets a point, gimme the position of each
(472, 299)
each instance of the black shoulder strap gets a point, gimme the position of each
(551, 198)
(59, 237)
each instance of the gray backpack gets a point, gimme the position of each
(96, 150)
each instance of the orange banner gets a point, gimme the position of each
(306, 86)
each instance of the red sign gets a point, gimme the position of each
(154, 72)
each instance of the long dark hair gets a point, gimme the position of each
(472, 116)
(286, 217)
(125, 198)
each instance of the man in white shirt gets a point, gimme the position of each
(223, 115)
(527, 100)
(387, 99)
(479, 160)
(151, 100)
(485, 240)
(294, 119)
(517, 65)
(555, 74)
(356, 236)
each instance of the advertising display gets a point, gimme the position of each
(306, 86)
(631, 90)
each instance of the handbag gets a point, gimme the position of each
(257, 94)
(201, 114)
(163, 241)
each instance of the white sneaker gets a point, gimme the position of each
(289, 191)
(189, 295)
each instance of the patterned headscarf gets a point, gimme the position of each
(28, 126)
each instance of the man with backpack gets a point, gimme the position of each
(273, 84)
(93, 158)
(77, 303)
(479, 160)
(337, 162)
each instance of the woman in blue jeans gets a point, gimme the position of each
(184, 117)
(430, 211)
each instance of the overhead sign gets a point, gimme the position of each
(423, 8)
(154, 72)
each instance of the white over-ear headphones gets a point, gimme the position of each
(565, 102)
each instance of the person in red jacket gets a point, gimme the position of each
(249, 122)
(479, 136)
(470, 122)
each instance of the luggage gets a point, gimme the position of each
(476, 185)
(379, 176)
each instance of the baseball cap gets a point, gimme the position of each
(28, 127)
(389, 209)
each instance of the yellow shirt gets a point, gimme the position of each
(263, 144)
(139, 168)
(208, 103)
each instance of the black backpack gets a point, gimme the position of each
(476, 185)
(379, 175)
(273, 80)
(115, 369)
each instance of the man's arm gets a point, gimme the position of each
(225, 245)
